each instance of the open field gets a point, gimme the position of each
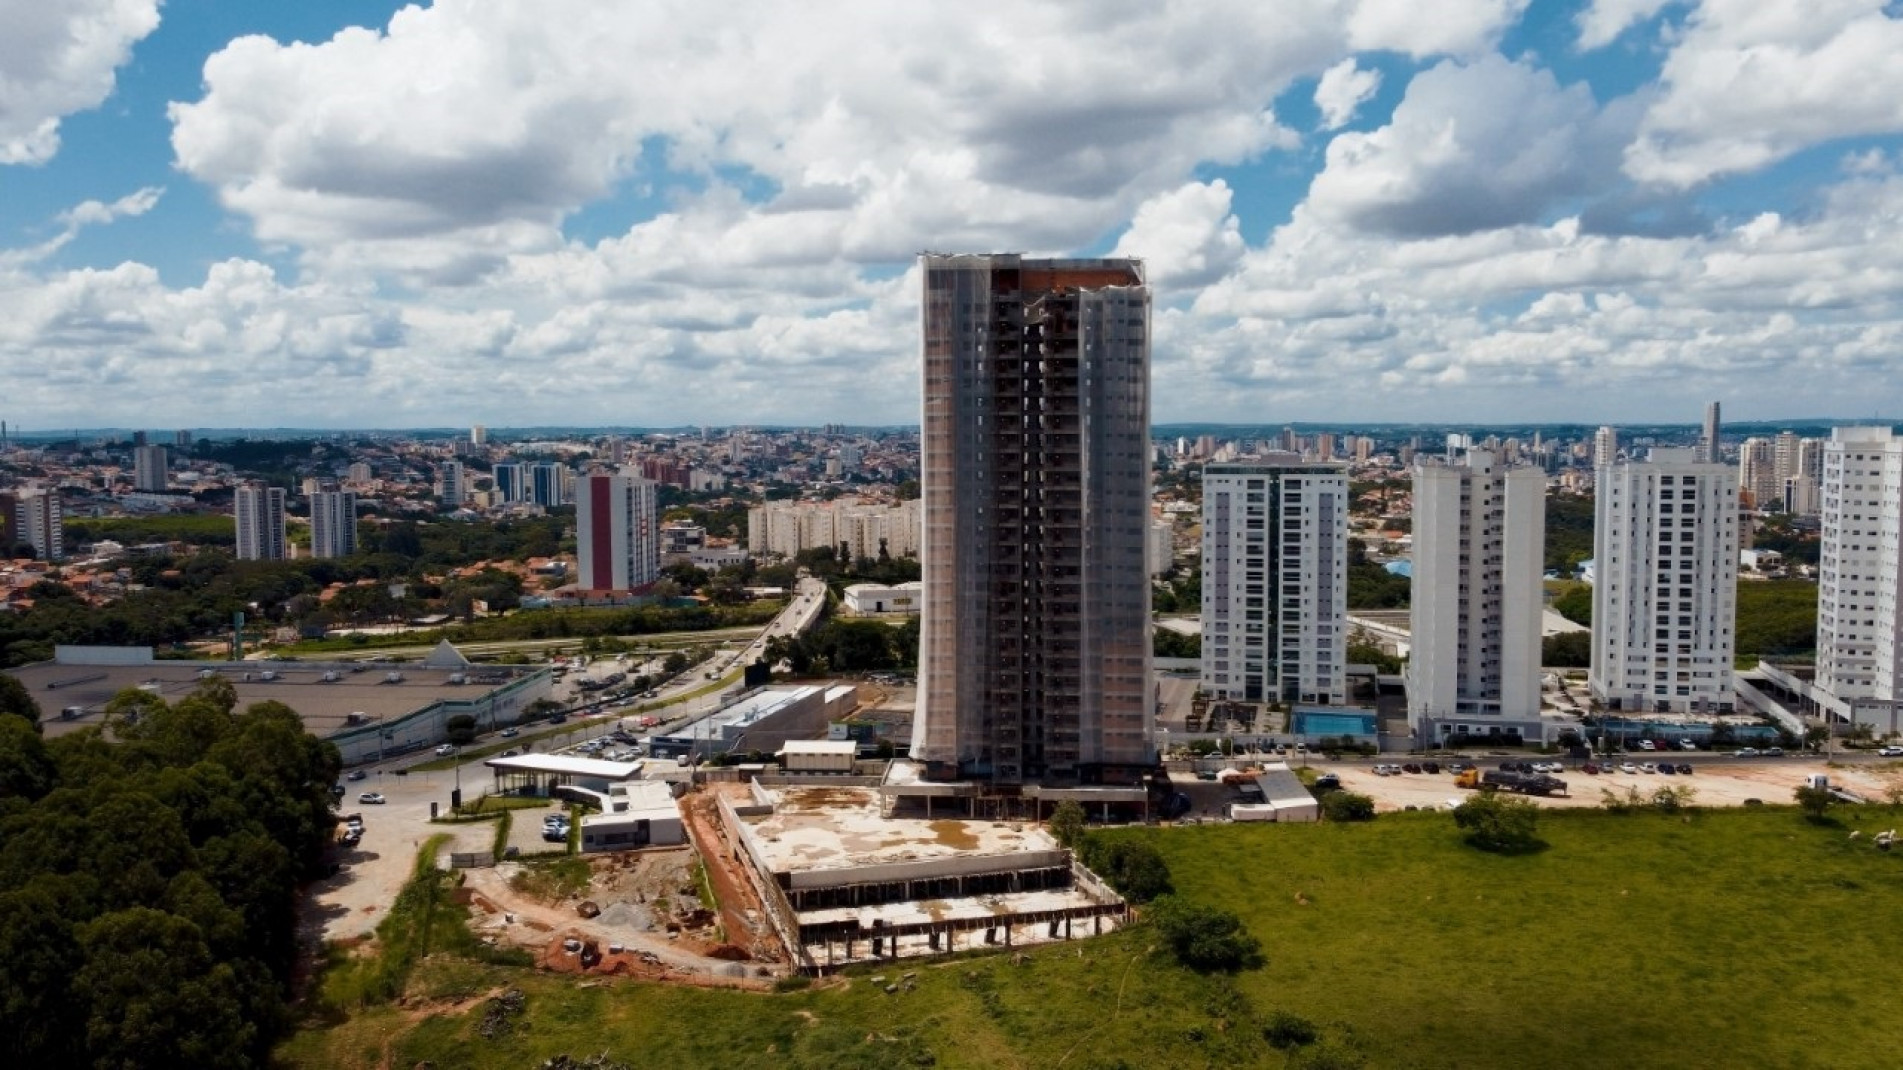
(1714, 939)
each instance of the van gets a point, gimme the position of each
(72, 713)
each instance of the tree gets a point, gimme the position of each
(26, 770)
(539, 709)
(17, 701)
(460, 729)
(1499, 824)
(1567, 650)
(1134, 868)
(1575, 605)
(153, 987)
(1067, 823)
(1347, 806)
(1203, 938)
(1814, 801)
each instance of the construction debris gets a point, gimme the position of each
(499, 1017)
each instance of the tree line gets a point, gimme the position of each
(147, 885)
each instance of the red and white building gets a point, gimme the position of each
(617, 529)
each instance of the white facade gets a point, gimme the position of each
(617, 531)
(149, 468)
(786, 528)
(1479, 552)
(1275, 582)
(884, 598)
(1859, 658)
(333, 523)
(1161, 547)
(1665, 588)
(1605, 448)
(1758, 473)
(258, 511)
(39, 519)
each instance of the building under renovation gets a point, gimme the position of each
(843, 884)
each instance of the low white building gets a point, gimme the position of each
(641, 813)
(880, 598)
(819, 755)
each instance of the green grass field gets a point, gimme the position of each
(1720, 939)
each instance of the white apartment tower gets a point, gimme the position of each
(37, 517)
(1859, 604)
(259, 513)
(617, 531)
(333, 523)
(1034, 654)
(449, 484)
(1479, 551)
(1665, 593)
(1275, 582)
(1605, 448)
(1758, 473)
(149, 468)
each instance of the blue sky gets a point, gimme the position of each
(582, 211)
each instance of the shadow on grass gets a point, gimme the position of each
(1510, 850)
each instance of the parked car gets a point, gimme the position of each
(1430, 767)
(337, 790)
(1411, 767)
(445, 750)
(1684, 769)
(1646, 744)
(1747, 752)
(1591, 768)
(355, 774)
(372, 798)
(511, 733)
(1628, 767)
(1774, 752)
(1686, 744)
(1667, 768)
(1648, 767)
(1890, 752)
(1328, 780)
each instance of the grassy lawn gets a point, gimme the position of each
(1728, 938)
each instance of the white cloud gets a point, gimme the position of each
(466, 132)
(1603, 21)
(1453, 160)
(1186, 237)
(1752, 81)
(83, 214)
(57, 59)
(1343, 89)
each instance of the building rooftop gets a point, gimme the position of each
(841, 828)
(565, 765)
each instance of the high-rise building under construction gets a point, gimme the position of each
(1035, 649)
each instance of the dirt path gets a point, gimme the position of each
(741, 911)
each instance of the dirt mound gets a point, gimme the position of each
(729, 952)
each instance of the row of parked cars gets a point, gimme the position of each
(1667, 768)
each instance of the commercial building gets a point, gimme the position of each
(1709, 450)
(617, 531)
(149, 468)
(638, 813)
(1859, 604)
(333, 523)
(1758, 473)
(1275, 581)
(549, 483)
(1474, 619)
(1035, 648)
(512, 484)
(1664, 600)
(258, 511)
(885, 598)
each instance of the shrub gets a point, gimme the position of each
(1813, 801)
(1067, 823)
(1284, 1031)
(1347, 806)
(1132, 867)
(1499, 824)
(1205, 939)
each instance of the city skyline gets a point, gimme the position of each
(462, 213)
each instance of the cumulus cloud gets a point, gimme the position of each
(1187, 237)
(57, 59)
(1750, 82)
(1343, 89)
(1603, 21)
(1452, 160)
(84, 214)
(464, 133)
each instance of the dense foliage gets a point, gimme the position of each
(195, 529)
(146, 886)
(1371, 585)
(1776, 617)
(1569, 520)
(847, 646)
(1205, 938)
(1575, 605)
(1499, 823)
(1133, 867)
(1168, 644)
(1568, 650)
(1347, 806)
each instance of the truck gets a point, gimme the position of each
(1511, 780)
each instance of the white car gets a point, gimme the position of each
(445, 750)
(1890, 752)
(373, 798)
(1628, 768)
